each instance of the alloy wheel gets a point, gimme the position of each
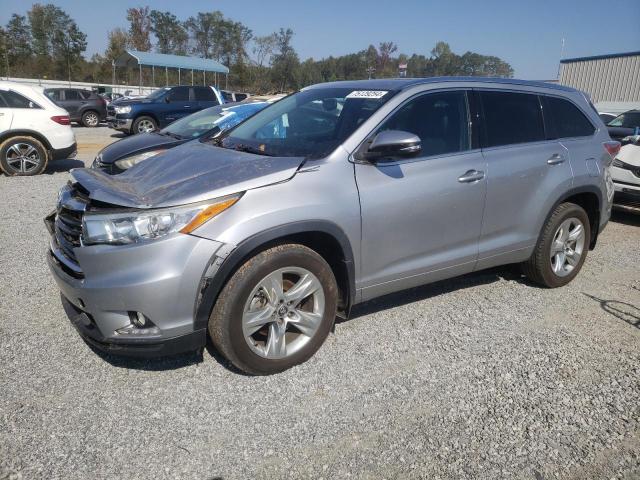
(91, 119)
(146, 126)
(567, 247)
(283, 312)
(22, 157)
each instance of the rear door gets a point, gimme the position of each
(205, 97)
(422, 216)
(6, 113)
(528, 169)
(72, 101)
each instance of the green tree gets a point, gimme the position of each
(171, 35)
(17, 45)
(139, 28)
(204, 32)
(285, 62)
(68, 44)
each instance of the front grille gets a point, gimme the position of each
(67, 228)
(111, 111)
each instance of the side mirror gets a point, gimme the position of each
(167, 99)
(393, 143)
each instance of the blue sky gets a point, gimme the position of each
(526, 34)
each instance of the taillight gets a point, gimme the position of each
(61, 119)
(612, 147)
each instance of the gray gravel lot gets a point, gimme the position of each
(484, 376)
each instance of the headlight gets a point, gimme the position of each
(618, 163)
(129, 162)
(124, 109)
(132, 227)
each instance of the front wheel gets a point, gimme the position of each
(562, 247)
(144, 124)
(276, 310)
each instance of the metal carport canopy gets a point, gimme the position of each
(133, 58)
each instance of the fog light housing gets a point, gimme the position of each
(139, 326)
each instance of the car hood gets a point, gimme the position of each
(139, 143)
(190, 173)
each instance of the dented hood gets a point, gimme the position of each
(190, 173)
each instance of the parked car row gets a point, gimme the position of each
(260, 235)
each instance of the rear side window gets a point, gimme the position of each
(15, 100)
(439, 119)
(72, 95)
(567, 119)
(205, 94)
(511, 118)
(179, 94)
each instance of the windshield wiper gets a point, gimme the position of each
(241, 147)
(173, 135)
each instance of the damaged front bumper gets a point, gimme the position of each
(160, 281)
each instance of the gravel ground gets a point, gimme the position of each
(484, 376)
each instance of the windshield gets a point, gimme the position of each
(197, 124)
(627, 120)
(311, 123)
(156, 94)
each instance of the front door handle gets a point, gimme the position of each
(471, 176)
(555, 159)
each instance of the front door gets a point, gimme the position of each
(422, 217)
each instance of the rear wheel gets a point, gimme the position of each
(22, 156)
(276, 310)
(90, 118)
(562, 247)
(144, 124)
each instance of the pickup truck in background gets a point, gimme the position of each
(160, 108)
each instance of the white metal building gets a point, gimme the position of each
(612, 81)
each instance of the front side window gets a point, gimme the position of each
(311, 123)
(440, 120)
(626, 120)
(53, 95)
(179, 94)
(567, 119)
(15, 100)
(511, 118)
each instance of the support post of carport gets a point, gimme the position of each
(192, 77)
(153, 76)
(179, 82)
(204, 78)
(226, 81)
(166, 77)
(140, 83)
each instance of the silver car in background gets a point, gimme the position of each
(335, 195)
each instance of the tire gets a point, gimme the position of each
(90, 119)
(242, 302)
(22, 156)
(557, 267)
(144, 124)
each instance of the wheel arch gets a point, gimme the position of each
(27, 133)
(324, 237)
(589, 197)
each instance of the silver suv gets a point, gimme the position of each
(330, 197)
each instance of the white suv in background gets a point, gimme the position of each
(33, 130)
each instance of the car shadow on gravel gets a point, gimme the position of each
(625, 311)
(58, 166)
(404, 297)
(626, 218)
(151, 365)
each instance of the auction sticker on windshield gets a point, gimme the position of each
(367, 94)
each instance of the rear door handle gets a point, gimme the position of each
(555, 159)
(471, 176)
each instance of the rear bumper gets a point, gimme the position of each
(62, 153)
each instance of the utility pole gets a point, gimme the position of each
(113, 73)
(561, 56)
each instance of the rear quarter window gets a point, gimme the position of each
(511, 118)
(14, 100)
(567, 119)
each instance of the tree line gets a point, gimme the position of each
(47, 43)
